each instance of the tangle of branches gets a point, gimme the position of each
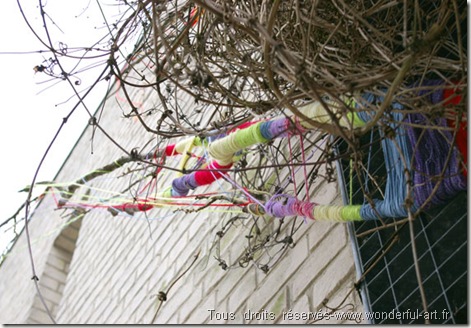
(207, 67)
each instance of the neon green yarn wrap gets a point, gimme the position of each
(351, 213)
(223, 150)
(318, 113)
(250, 136)
(337, 213)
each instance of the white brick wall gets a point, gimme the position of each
(16, 287)
(120, 263)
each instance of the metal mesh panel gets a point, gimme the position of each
(390, 287)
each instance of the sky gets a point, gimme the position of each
(32, 109)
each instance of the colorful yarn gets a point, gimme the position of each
(224, 149)
(430, 90)
(316, 112)
(432, 147)
(249, 136)
(397, 154)
(431, 150)
(329, 213)
(452, 98)
(392, 206)
(351, 213)
(129, 208)
(182, 185)
(203, 177)
(430, 153)
(430, 156)
(195, 15)
(170, 150)
(284, 205)
(166, 194)
(184, 144)
(449, 96)
(277, 128)
(179, 147)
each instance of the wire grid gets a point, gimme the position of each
(390, 288)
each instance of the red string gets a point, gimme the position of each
(452, 98)
(243, 126)
(205, 204)
(205, 177)
(152, 184)
(170, 150)
(141, 207)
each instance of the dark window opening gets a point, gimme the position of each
(390, 287)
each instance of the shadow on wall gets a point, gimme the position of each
(53, 278)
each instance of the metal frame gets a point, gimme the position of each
(390, 288)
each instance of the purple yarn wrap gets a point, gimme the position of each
(284, 205)
(433, 95)
(431, 149)
(277, 128)
(182, 185)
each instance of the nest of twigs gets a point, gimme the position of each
(252, 56)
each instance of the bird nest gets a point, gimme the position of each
(253, 56)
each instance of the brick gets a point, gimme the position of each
(157, 230)
(59, 258)
(226, 240)
(65, 244)
(56, 274)
(319, 259)
(193, 301)
(38, 305)
(231, 280)
(135, 254)
(198, 222)
(143, 303)
(176, 298)
(175, 243)
(119, 262)
(350, 305)
(102, 309)
(300, 306)
(111, 313)
(200, 314)
(243, 290)
(334, 276)
(173, 320)
(49, 282)
(211, 275)
(159, 243)
(32, 321)
(71, 231)
(40, 316)
(278, 276)
(270, 312)
(51, 295)
(326, 193)
(137, 296)
(318, 232)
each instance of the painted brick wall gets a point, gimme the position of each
(119, 264)
(16, 286)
